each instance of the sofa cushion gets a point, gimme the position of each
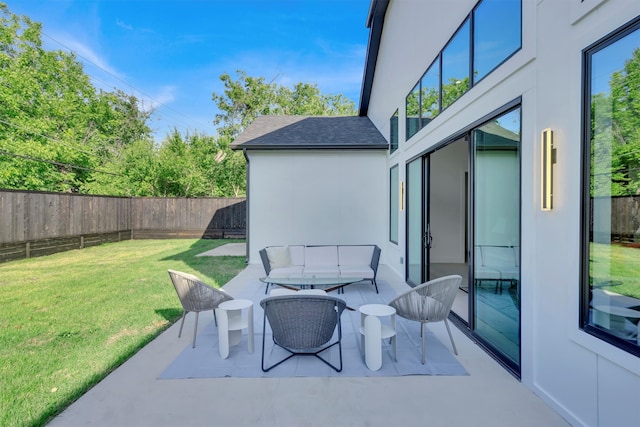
(321, 256)
(296, 252)
(321, 271)
(502, 259)
(290, 271)
(363, 271)
(278, 256)
(355, 255)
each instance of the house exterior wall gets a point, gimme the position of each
(308, 197)
(587, 380)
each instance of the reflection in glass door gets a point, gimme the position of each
(416, 217)
(496, 234)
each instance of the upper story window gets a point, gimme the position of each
(430, 93)
(456, 57)
(497, 34)
(393, 132)
(488, 36)
(412, 106)
(611, 189)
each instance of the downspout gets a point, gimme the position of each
(247, 234)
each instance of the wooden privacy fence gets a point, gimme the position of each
(209, 218)
(38, 223)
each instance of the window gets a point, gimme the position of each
(394, 203)
(430, 93)
(496, 35)
(393, 132)
(413, 111)
(455, 66)
(611, 182)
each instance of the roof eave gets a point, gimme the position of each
(281, 147)
(375, 21)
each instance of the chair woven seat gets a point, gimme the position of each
(196, 296)
(427, 303)
(303, 325)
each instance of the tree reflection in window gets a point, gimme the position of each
(430, 91)
(612, 226)
(413, 111)
(455, 66)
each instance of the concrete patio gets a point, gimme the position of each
(134, 396)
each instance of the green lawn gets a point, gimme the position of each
(68, 319)
(616, 268)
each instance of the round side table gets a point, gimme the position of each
(231, 322)
(373, 331)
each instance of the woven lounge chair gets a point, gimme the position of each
(428, 303)
(196, 296)
(303, 325)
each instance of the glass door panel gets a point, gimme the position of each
(496, 220)
(416, 259)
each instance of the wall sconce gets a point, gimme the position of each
(401, 196)
(548, 160)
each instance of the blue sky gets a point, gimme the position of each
(170, 53)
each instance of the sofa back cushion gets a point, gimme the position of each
(321, 256)
(296, 252)
(498, 256)
(279, 256)
(355, 255)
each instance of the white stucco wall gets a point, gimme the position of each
(317, 197)
(588, 381)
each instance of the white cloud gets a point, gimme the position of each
(162, 97)
(333, 72)
(87, 55)
(123, 25)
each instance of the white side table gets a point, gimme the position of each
(373, 331)
(614, 315)
(231, 322)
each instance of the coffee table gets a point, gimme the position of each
(327, 284)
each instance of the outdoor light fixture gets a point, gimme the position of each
(548, 159)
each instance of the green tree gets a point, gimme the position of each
(56, 130)
(248, 97)
(132, 171)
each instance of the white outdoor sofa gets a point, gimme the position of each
(497, 264)
(322, 261)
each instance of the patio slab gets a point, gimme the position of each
(134, 396)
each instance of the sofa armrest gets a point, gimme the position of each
(265, 261)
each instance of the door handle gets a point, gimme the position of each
(427, 238)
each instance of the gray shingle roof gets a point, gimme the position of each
(310, 132)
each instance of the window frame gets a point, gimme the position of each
(475, 81)
(394, 203)
(394, 137)
(470, 20)
(585, 288)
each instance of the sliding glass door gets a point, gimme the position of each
(417, 233)
(496, 236)
(477, 238)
